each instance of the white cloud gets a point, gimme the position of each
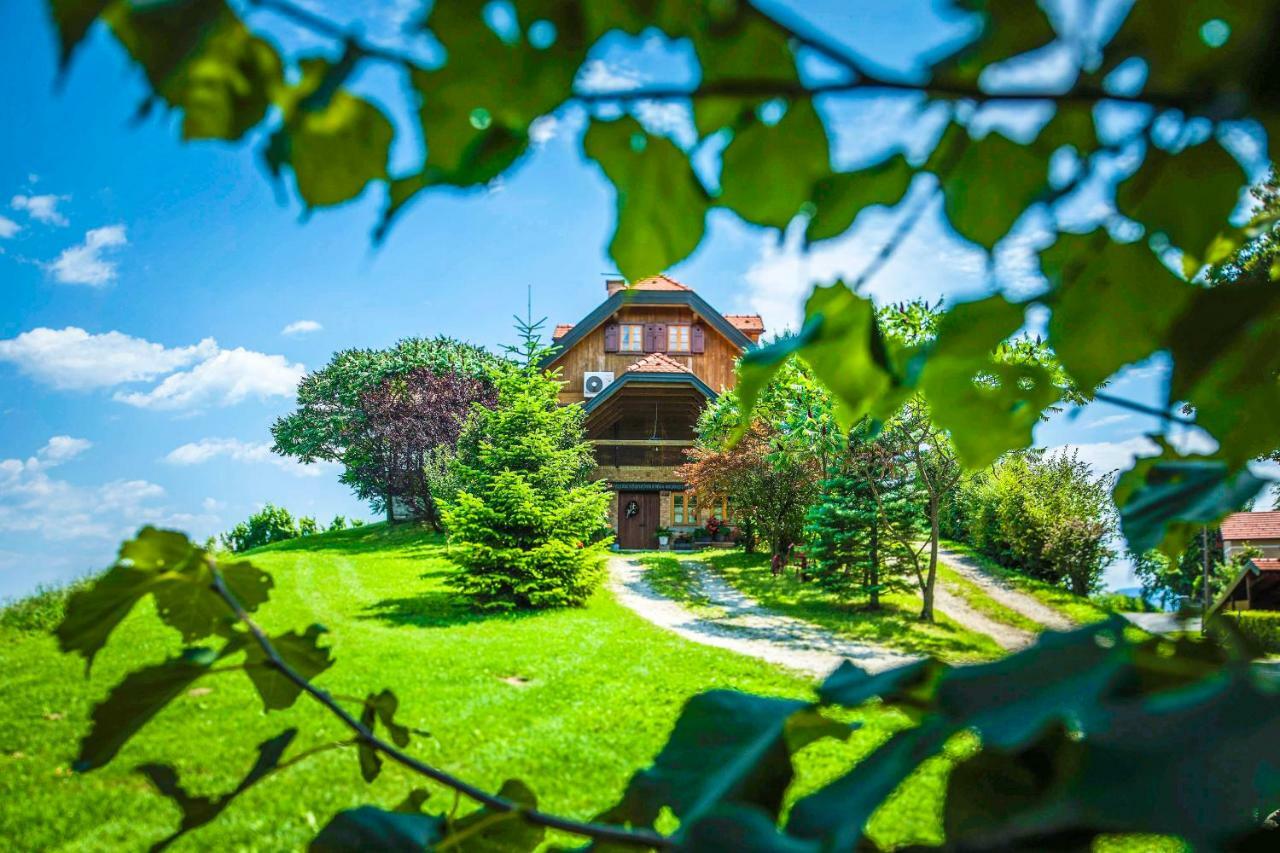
(301, 327)
(600, 76)
(32, 502)
(8, 227)
(42, 208)
(227, 378)
(544, 129)
(1109, 420)
(208, 449)
(74, 358)
(62, 448)
(85, 263)
(1107, 456)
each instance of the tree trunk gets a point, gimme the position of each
(873, 599)
(926, 612)
(391, 516)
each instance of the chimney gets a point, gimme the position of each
(613, 285)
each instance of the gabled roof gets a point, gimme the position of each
(657, 362)
(677, 295)
(1256, 567)
(658, 282)
(684, 377)
(1251, 525)
(746, 322)
(562, 329)
(1267, 564)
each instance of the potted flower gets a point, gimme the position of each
(664, 536)
(713, 528)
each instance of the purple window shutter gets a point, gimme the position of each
(659, 337)
(611, 337)
(697, 339)
(650, 339)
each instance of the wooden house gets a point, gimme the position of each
(1258, 585)
(643, 365)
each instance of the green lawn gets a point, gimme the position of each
(1079, 610)
(571, 701)
(895, 624)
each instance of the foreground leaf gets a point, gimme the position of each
(199, 810)
(769, 171)
(661, 206)
(1088, 271)
(839, 198)
(498, 831)
(1164, 500)
(303, 654)
(726, 748)
(134, 701)
(370, 828)
(989, 407)
(987, 183)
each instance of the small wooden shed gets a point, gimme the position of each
(1256, 588)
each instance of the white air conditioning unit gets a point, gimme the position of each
(595, 381)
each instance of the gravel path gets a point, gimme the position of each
(1003, 592)
(746, 627)
(958, 610)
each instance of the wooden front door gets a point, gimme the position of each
(637, 519)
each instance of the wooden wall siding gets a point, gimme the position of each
(714, 366)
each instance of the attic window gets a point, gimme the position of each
(631, 337)
(677, 339)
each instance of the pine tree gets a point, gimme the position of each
(531, 530)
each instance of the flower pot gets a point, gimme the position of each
(662, 541)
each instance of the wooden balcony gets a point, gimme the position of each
(639, 460)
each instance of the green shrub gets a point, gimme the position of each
(270, 524)
(42, 610)
(1260, 626)
(529, 527)
(339, 523)
(307, 526)
(1123, 603)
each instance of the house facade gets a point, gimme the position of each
(1258, 585)
(643, 365)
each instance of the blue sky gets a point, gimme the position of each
(159, 301)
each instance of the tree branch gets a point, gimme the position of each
(637, 838)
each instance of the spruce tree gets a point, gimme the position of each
(531, 530)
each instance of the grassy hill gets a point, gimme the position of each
(571, 701)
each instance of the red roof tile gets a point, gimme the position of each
(658, 282)
(746, 322)
(562, 329)
(1242, 526)
(1267, 564)
(657, 363)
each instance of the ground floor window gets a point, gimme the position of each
(686, 510)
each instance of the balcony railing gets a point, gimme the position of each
(619, 452)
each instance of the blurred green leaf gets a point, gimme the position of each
(499, 832)
(1009, 28)
(200, 58)
(840, 197)
(661, 207)
(369, 828)
(988, 406)
(987, 183)
(741, 829)
(1226, 364)
(135, 700)
(335, 151)
(1143, 298)
(1186, 196)
(726, 748)
(199, 810)
(769, 171)
(72, 19)
(851, 686)
(303, 654)
(1164, 500)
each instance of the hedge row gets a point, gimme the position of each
(1261, 626)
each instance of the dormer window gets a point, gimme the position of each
(678, 338)
(631, 337)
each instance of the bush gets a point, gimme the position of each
(529, 527)
(307, 526)
(1260, 626)
(1044, 516)
(1121, 603)
(339, 523)
(42, 610)
(270, 524)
